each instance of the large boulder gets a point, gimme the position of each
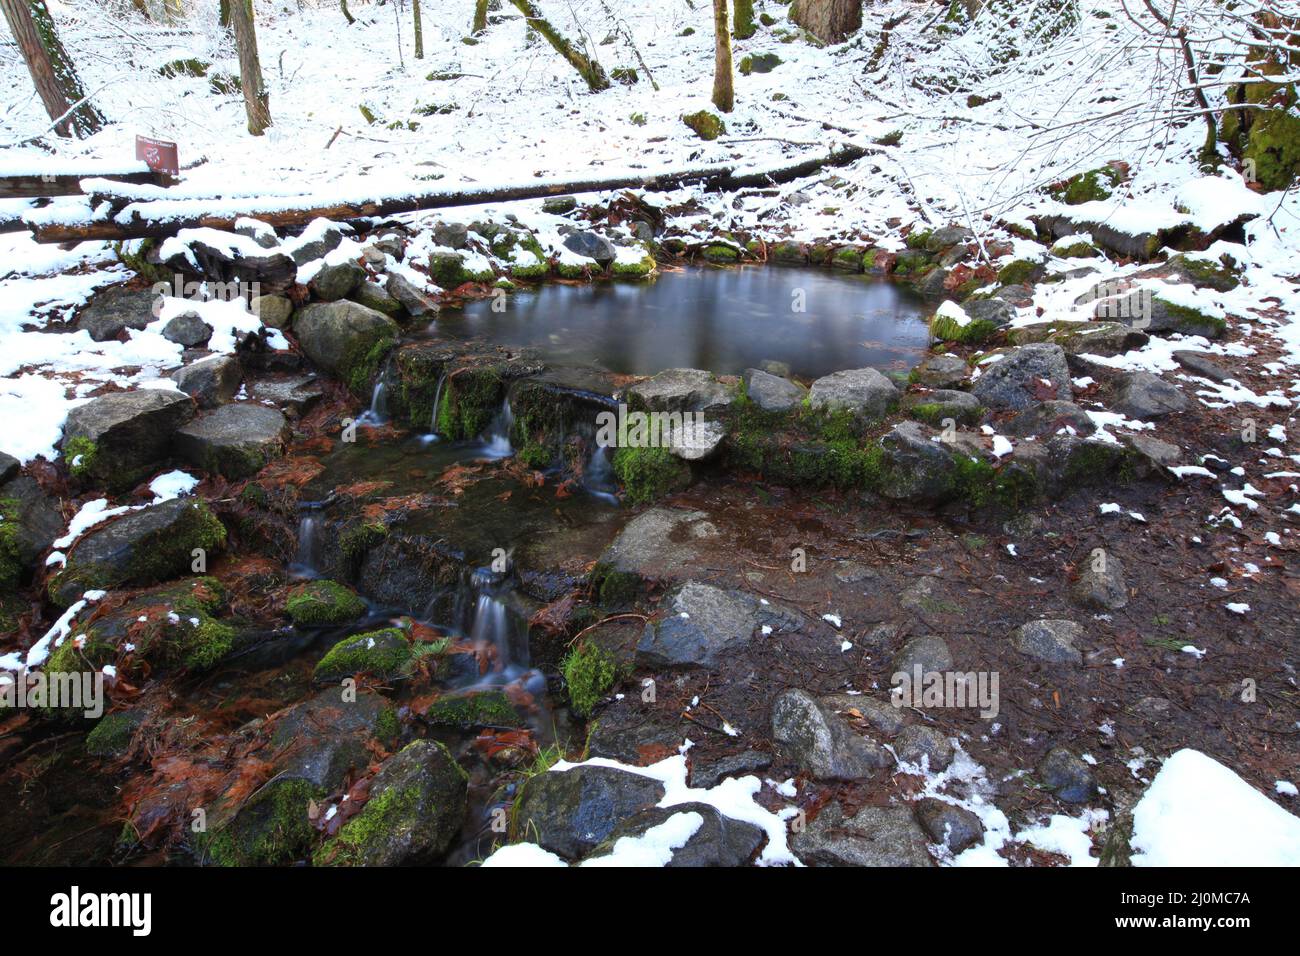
(346, 339)
(862, 391)
(719, 840)
(1024, 375)
(141, 547)
(813, 736)
(234, 440)
(228, 258)
(592, 245)
(874, 836)
(120, 438)
(334, 282)
(681, 390)
(918, 467)
(942, 371)
(417, 802)
(702, 623)
(116, 309)
(573, 811)
(30, 521)
(212, 381)
(1142, 395)
(772, 393)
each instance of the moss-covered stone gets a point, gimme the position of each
(649, 473)
(385, 653)
(112, 735)
(471, 398)
(1091, 186)
(1020, 272)
(944, 328)
(589, 672)
(323, 603)
(1079, 249)
(758, 63)
(272, 829)
(706, 125)
(481, 709)
(79, 453)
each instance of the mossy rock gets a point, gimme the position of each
(706, 125)
(449, 270)
(615, 588)
(471, 398)
(271, 829)
(589, 672)
(1206, 273)
(649, 473)
(758, 63)
(1079, 249)
(944, 328)
(477, 709)
(627, 267)
(385, 654)
(322, 604)
(1091, 186)
(721, 253)
(113, 733)
(1020, 272)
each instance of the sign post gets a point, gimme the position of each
(159, 155)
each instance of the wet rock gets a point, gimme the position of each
(917, 467)
(414, 300)
(375, 296)
(772, 393)
(115, 309)
(874, 836)
(140, 547)
(1143, 396)
(211, 381)
(862, 391)
(571, 812)
(294, 394)
(345, 339)
(453, 235)
(35, 519)
(682, 390)
(943, 403)
(1022, 377)
(1067, 776)
(701, 624)
(814, 737)
(922, 742)
(1048, 418)
(708, 774)
(385, 654)
(1104, 589)
(1050, 641)
(632, 735)
(121, 437)
(112, 735)
(416, 805)
(720, 840)
(334, 282)
(318, 240)
(929, 652)
(696, 441)
(942, 371)
(592, 245)
(1198, 363)
(187, 329)
(234, 440)
(275, 311)
(949, 825)
(647, 548)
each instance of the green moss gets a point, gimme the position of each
(1273, 146)
(975, 332)
(357, 540)
(642, 268)
(1192, 321)
(381, 816)
(892, 138)
(847, 259)
(615, 588)
(384, 653)
(323, 603)
(1082, 249)
(589, 672)
(706, 125)
(721, 253)
(758, 63)
(112, 735)
(649, 473)
(471, 398)
(483, 709)
(360, 367)
(11, 565)
(743, 26)
(1091, 186)
(79, 454)
(535, 455)
(448, 270)
(134, 254)
(388, 728)
(271, 829)
(919, 239)
(1019, 272)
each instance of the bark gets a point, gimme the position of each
(828, 20)
(724, 96)
(123, 213)
(588, 67)
(257, 104)
(343, 5)
(744, 25)
(480, 16)
(419, 30)
(52, 72)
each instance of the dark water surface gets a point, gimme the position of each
(723, 320)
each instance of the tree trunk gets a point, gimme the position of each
(256, 101)
(724, 96)
(419, 30)
(828, 20)
(589, 69)
(480, 16)
(141, 7)
(744, 25)
(52, 72)
(343, 5)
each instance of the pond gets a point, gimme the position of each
(722, 320)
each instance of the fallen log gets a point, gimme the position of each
(150, 218)
(34, 179)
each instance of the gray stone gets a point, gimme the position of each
(1067, 776)
(9, 467)
(1020, 378)
(720, 840)
(934, 283)
(34, 516)
(1050, 641)
(773, 367)
(921, 742)
(874, 836)
(413, 300)
(234, 440)
(949, 825)
(293, 395)
(928, 652)
(323, 238)
(771, 393)
(657, 540)
(571, 812)
(942, 371)
(262, 233)
(818, 740)
(453, 235)
(1083, 338)
(559, 205)
(942, 403)
(187, 329)
(592, 245)
(995, 309)
(702, 624)
(1101, 590)
(334, 282)
(695, 441)
(882, 717)
(131, 431)
(115, 309)
(1154, 453)
(275, 311)
(375, 296)
(1142, 395)
(211, 381)
(706, 774)
(682, 390)
(1198, 363)
(1047, 418)
(862, 391)
(947, 236)
(337, 336)
(917, 467)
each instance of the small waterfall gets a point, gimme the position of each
(496, 440)
(305, 564)
(598, 476)
(377, 414)
(437, 402)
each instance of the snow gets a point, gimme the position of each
(1197, 812)
(523, 854)
(655, 847)
(173, 484)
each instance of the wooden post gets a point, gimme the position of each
(256, 101)
(52, 72)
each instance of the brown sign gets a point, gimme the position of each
(158, 155)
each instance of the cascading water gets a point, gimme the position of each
(496, 440)
(308, 556)
(377, 413)
(437, 402)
